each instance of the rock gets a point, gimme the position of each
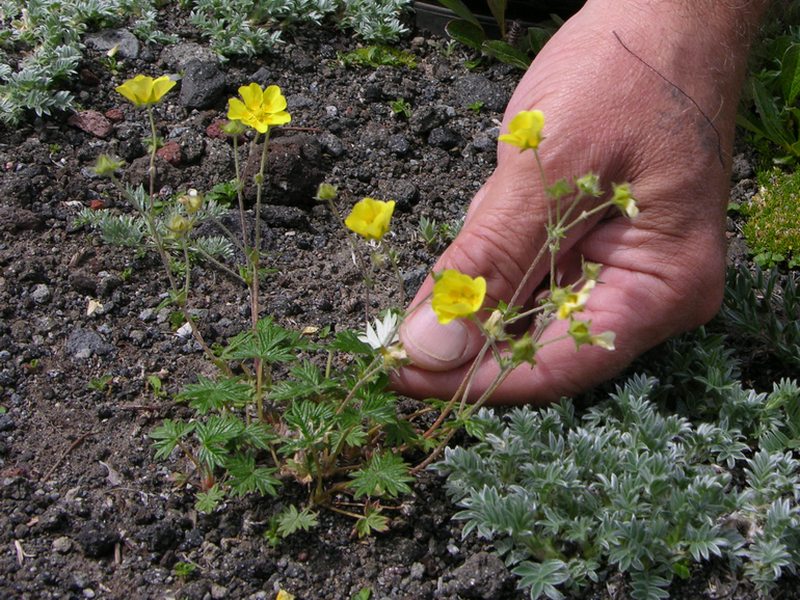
(402, 191)
(482, 575)
(425, 118)
(331, 144)
(115, 115)
(178, 56)
(62, 544)
(741, 168)
(294, 169)
(476, 88)
(83, 283)
(398, 144)
(92, 122)
(288, 217)
(170, 152)
(7, 423)
(41, 294)
(83, 343)
(218, 592)
(184, 331)
(202, 84)
(139, 173)
(19, 219)
(126, 43)
(97, 539)
(445, 138)
(17, 189)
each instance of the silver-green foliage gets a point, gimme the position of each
(48, 34)
(249, 27)
(630, 488)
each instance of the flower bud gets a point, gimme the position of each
(326, 192)
(192, 201)
(107, 165)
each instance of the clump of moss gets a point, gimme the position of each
(773, 227)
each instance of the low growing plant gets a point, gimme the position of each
(566, 498)
(772, 229)
(517, 44)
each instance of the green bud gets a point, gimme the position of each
(326, 192)
(523, 350)
(107, 165)
(589, 184)
(192, 201)
(233, 128)
(179, 225)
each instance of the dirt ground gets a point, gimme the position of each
(86, 510)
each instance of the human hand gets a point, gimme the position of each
(631, 96)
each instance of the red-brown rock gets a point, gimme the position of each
(171, 152)
(92, 122)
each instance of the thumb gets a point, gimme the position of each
(501, 235)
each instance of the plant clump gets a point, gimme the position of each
(772, 229)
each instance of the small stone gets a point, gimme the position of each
(126, 43)
(171, 152)
(215, 130)
(202, 84)
(83, 343)
(88, 593)
(445, 138)
(97, 539)
(115, 115)
(62, 544)
(184, 331)
(41, 294)
(218, 592)
(91, 122)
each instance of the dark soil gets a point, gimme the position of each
(86, 511)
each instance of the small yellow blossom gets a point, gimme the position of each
(143, 90)
(192, 201)
(370, 218)
(579, 331)
(284, 595)
(456, 295)
(259, 108)
(179, 225)
(569, 301)
(623, 199)
(525, 130)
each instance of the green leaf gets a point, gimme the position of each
(498, 10)
(771, 120)
(311, 421)
(385, 475)
(168, 435)
(542, 577)
(307, 380)
(537, 38)
(362, 594)
(347, 341)
(270, 342)
(790, 74)
(372, 521)
(245, 477)
(290, 520)
(208, 501)
(506, 53)
(460, 9)
(466, 33)
(207, 394)
(214, 437)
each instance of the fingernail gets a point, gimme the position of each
(431, 345)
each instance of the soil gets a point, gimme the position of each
(86, 510)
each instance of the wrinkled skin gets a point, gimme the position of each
(608, 113)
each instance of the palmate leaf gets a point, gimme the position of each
(208, 394)
(167, 436)
(541, 578)
(385, 475)
(270, 342)
(291, 520)
(347, 341)
(372, 521)
(309, 424)
(214, 437)
(306, 380)
(245, 477)
(207, 502)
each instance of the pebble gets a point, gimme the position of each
(91, 122)
(126, 43)
(218, 591)
(184, 331)
(41, 294)
(62, 544)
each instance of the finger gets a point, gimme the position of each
(640, 308)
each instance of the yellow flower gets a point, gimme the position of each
(623, 199)
(284, 595)
(370, 218)
(456, 295)
(568, 301)
(525, 130)
(259, 108)
(143, 90)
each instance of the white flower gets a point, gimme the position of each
(384, 333)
